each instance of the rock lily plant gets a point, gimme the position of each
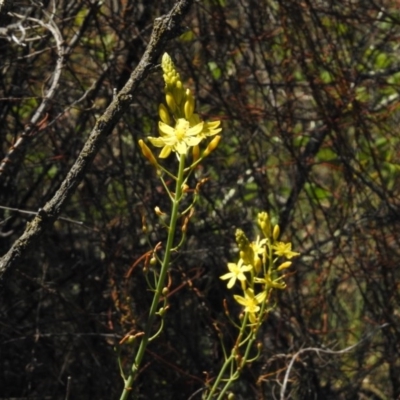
(182, 133)
(258, 270)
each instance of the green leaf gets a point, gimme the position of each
(187, 36)
(214, 69)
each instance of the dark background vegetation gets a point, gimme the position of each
(308, 92)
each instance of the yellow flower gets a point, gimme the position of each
(269, 283)
(253, 253)
(209, 128)
(251, 302)
(180, 128)
(259, 253)
(236, 272)
(177, 139)
(282, 249)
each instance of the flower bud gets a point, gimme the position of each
(189, 105)
(169, 98)
(212, 145)
(130, 339)
(144, 224)
(276, 233)
(166, 64)
(264, 223)
(159, 212)
(195, 153)
(284, 265)
(148, 153)
(178, 92)
(153, 261)
(257, 264)
(161, 311)
(164, 114)
(245, 250)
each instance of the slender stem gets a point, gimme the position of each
(228, 362)
(243, 361)
(160, 284)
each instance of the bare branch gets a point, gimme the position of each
(325, 351)
(165, 28)
(17, 151)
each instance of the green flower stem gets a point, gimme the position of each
(160, 284)
(249, 346)
(220, 376)
(228, 362)
(249, 340)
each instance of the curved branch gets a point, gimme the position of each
(17, 151)
(325, 351)
(165, 28)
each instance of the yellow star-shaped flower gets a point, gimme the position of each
(282, 249)
(178, 138)
(236, 272)
(251, 302)
(209, 128)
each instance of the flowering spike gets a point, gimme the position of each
(179, 127)
(170, 73)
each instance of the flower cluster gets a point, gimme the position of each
(258, 267)
(179, 127)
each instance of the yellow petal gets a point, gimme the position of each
(195, 130)
(193, 141)
(181, 147)
(213, 124)
(226, 276)
(165, 152)
(165, 129)
(241, 300)
(158, 142)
